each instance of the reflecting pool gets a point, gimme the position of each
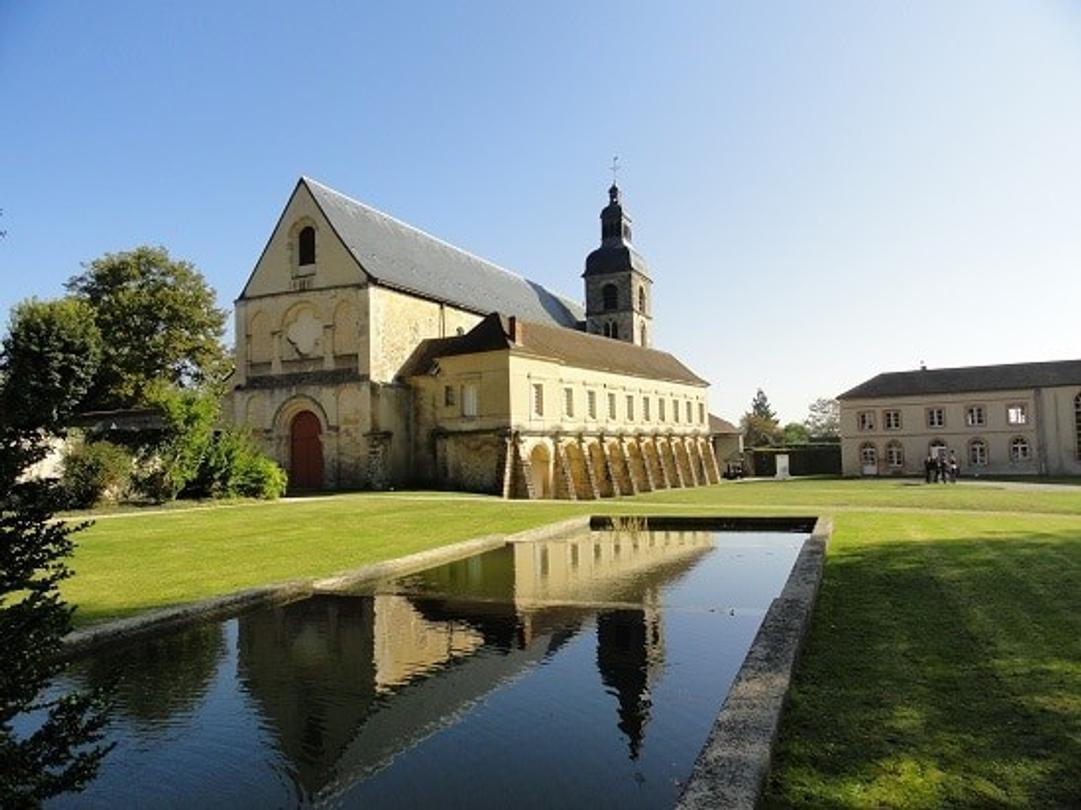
(577, 672)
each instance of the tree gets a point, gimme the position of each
(760, 406)
(63, 752)
(824, 419)
(795, 433)
(49, 358)
(189, 416)
(158, 321)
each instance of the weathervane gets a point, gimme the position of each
(615, 168)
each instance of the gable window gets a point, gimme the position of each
(630, 408)
(609, 297)
(611, 406)
(568, 401)
(977, 453)
(936, 417)
(660, 408)
(975, 416)
(645, 409)
(591, 404)
(865, 420)
(891, 420)
(895, 455)
(449, 397)
(1017, 414)
(306, 246)
(538, 399)
(1020, 450)
(469, 399)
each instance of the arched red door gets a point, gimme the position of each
(306, 452)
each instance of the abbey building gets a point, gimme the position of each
(372, 355)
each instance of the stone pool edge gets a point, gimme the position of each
(99, 635)
(732, 768)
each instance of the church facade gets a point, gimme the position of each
(370, 354)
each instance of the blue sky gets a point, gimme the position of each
(823, 190)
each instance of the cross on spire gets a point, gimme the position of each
(614, 168)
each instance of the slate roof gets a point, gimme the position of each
(968, 378)
(718, 425)
(400, 256)
(569, 346)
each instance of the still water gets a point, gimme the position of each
(570, 673)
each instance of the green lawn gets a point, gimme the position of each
(943, 666)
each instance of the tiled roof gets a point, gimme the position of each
(968, 378)
(570, 346)
(718, 425)
(398, 255)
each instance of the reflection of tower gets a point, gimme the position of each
(630, 655)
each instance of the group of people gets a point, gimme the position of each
(940, 468)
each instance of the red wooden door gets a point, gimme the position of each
(306, 453)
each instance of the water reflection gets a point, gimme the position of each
(324, 695)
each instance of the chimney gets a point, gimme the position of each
(515, 329)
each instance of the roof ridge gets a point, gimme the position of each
(434, 238)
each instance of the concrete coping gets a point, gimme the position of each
(732, 767)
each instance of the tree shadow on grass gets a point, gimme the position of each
(940, 673)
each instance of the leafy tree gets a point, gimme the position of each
(795, 433)
(758, 431)
(189, 415)
(158, 321)
(824, 418)
(63, 752)
(760, 406)
(48, 362)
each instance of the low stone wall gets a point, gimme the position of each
(732, 768)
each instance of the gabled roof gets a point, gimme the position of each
(569, 346)
(968, 378)
(405, 258)
(721, 426)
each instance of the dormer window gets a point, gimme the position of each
(306, 246)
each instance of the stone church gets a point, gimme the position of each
(370, 354)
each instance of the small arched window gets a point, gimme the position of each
(895, 455)
(642, 335)
(642, 299)
(1020, 451)
(609, 297)
(306, 245)
(977, 453)
(615, 331)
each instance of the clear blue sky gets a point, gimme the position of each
(824, 190)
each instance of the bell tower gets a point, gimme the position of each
(619, 297)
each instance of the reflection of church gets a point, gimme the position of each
(370, 354)
(347, 682)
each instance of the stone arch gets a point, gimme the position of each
(346, 329)
(618, 465)
(600, 469)
(651, 454)
(682, 461)
(637, 466)
(540, 462)
(260, 339)
(576, 464)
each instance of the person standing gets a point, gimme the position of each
(928, 467)
(954, 467)
(940, 469)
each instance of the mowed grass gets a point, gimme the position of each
(943, 668)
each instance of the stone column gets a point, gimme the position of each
(688, 448)
(561, 471)
(509, 452)
(680, 478)
(650, 484)
(658, 453)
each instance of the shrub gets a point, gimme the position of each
(94, 472)
(234, 467)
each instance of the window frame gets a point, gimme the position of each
(886, 419)
(975, 409)
(537, 400)
(1021, 408)
(984, 455)
(940, 411)
(900, 448)
(1020, 441)
(865, 421)
(470, 400)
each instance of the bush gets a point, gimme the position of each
(234, 467)
(95, 472)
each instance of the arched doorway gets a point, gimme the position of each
(305, 452)
(541, 463)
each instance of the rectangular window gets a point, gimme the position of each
(936, 417)
(1016, 414)
(891, 420)
(568, 402)
(630, 408)
(687, 410)
(538, 399)
(865, 420)
(469, 399)
(675, 410)
(645, 409)
(701, 413)
(661, 402)
(449, 397)
(591, 403)
(974, 416)
(611, 406)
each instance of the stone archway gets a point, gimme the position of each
(576, 464)
(305, 452)
(540, 462)
(600, 469)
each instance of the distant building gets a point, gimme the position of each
(1018, 419)
(726, 439)
(370, 354)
